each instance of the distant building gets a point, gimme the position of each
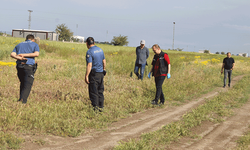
(43, 35)
(242, 54)
(203, 51)
(80, 38)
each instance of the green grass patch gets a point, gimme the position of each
(9, 141)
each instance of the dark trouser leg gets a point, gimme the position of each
(162, 98)
(229, 77)
(100, 90)
(96, 89)
(159, 94)
(142, 70)
(26, 77)
(20, 74)
(227, 72)
(136, 70)
(93, 92)
(225, 76)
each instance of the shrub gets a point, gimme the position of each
(120, 40)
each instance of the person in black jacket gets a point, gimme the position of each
(228, 65)
(160, 69)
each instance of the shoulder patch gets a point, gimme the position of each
(88, 56)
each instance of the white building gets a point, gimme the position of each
(242, 54)
(80, 38)
(43, 35)
(202, 51)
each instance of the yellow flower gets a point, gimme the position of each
(204, 63)
(16, 42)
(115, 53)
(73, 48)
(197, 57)
(182, 57)
(214, 60)
(47, 44)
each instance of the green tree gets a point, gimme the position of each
(206, 51)
(120, 40)
(64, 32)
(244, 55)
(217, 53)
(222, 53)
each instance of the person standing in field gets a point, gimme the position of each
(95, 72)
(160, 69)
(25, 54)
(142, 54)
(228, 65)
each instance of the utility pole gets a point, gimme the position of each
(107, 36)
(30, 11)
(173, 35)
(76, 28)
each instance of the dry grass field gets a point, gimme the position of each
(59, 103)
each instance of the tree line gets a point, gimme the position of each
(66, 35)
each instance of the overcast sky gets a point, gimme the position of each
(217, 25)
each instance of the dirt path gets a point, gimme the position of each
(223, 136)
(147, 121)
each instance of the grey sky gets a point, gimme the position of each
(217, 25)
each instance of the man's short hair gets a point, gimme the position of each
(156, 46)
(30, 37)
(228, 53)
(90, 40)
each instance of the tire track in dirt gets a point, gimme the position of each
(131, 127)
(222, 136)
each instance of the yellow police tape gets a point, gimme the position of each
(7, 63)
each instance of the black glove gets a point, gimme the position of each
(104, 72)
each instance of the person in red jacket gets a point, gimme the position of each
(160, 70)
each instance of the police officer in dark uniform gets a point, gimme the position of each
(25, 54)
(95, 72)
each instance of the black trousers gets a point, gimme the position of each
(159, 94)
(96, 89)
(26, 77)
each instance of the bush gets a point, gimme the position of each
(206, 51)
(179, 49)
(120, 40)
(222, 53)
(217, 53)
